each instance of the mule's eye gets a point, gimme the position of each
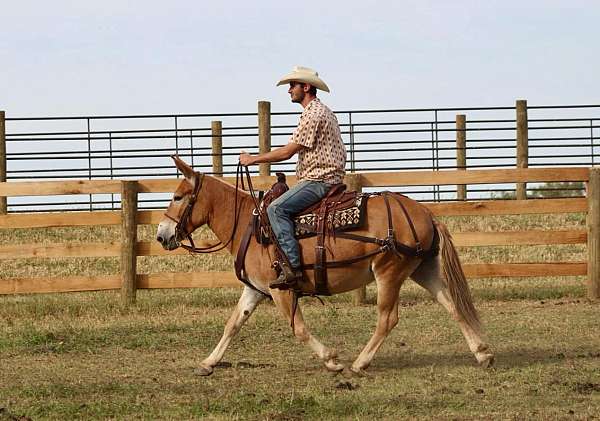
(177, 198)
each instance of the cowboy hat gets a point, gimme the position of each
(305, 75)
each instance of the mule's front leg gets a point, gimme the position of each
(245, 306)
(283, 301)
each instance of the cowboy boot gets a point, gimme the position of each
(288, 278)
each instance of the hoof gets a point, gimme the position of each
(359, 372)
(334, 366)
(203, 370)
(485, 360)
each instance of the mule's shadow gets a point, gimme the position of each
(504, 359)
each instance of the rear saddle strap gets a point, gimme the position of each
(403, 249)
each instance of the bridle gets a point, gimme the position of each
(180, 231)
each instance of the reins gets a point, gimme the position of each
(260, 211)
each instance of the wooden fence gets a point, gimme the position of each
(129, 218)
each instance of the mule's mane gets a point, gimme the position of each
(227, 184)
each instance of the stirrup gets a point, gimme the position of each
(283, 285)
(287, 279)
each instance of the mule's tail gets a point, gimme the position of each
(455, 279)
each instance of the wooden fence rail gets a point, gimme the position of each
(129, 249)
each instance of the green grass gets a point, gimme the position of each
(80, 356)
(83, 356)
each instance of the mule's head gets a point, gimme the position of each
(185, 212)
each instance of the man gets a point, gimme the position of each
(321, 163)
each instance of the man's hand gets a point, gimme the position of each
(246, 159)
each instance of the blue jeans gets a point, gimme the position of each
(282, 210)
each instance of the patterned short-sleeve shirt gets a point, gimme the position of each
(323, 157)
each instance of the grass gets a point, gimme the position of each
(83, 356)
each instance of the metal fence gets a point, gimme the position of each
(139, 146)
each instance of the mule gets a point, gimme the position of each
(202, 199)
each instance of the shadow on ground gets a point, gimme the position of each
(504, 359)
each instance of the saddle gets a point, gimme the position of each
(339, 211)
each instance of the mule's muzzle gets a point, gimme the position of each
(170, 243)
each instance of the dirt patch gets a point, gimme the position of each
(346, 386)
(586, 388)
(244, 364)
(5, 415)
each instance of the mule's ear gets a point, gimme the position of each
(185, 169)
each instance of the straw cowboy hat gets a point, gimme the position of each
(305, 75)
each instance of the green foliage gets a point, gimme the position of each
(558, 189)
(546, 191)
(503, 195)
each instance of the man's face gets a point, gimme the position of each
(296, 92)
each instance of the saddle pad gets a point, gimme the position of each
(349, 218)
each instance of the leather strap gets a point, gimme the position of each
(320, 266)
(342, 263)
(240, 258)
(389, 216)
(360, 238)
(410, 224)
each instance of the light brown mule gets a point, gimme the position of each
(441, 275)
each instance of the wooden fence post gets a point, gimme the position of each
(593, 231)
(461, 153)
(217, 148)
(522, 145)
(354, 183)
(3, 207)
(264, 134)
(129, 191)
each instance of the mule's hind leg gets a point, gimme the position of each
(430, 276)
(389, 280)
(245, 306)
(283, 300)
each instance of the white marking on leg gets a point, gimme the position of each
(245, 307)
(259, 286)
